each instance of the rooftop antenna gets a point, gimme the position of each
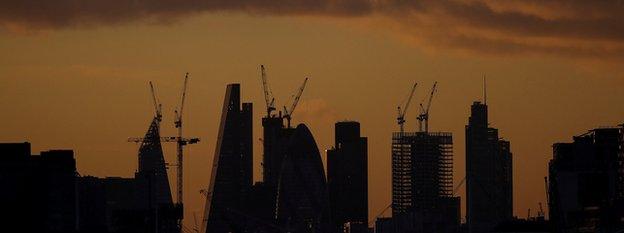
(484, 90)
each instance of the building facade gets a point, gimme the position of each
(347, 177)
(302, 198)
(489, 184)
(231, 177)
(586, 179)
(38, 191)
(422, 183)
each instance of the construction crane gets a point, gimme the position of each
(162, 139)
(288, 112)
(181, 141)
(424, 112)
(268, 95)
(401, 112)
(157, 105)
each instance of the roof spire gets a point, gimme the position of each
(484, 90)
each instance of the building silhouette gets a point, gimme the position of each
(276, 137)
(48, 195)
(151, 176)
(586, 182)
(302, 198)
(142, 203)
(293, 195)
(347, 178)
(231, 177)
(488, 173)
(422, 184)
(38, 191)
(274, 141)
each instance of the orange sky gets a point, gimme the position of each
(85, 87)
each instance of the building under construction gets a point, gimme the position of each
(422, 178)
(143, 203)
(422, 170)
(422, 182)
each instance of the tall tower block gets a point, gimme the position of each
(231, 176)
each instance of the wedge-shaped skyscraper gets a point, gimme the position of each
(231, 178)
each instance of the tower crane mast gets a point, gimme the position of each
(401, 112)
(288, 112)
(181, 142)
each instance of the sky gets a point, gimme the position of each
(74, 74)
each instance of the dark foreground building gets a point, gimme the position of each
(46, 194)
(422, 184)
(347, 177)
(142, 203)
(38, 191)
(489, 183)
(586, 182)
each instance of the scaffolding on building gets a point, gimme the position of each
(422, 169)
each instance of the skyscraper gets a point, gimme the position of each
(302, 198)
(347, 176)
(488, 173)
(152, 176)
(586, 182)
(231, 176)
(153, 196)
(275, 140)
(422, 183)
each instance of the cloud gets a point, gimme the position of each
(576, 28)
(80, 13)
(316, 110)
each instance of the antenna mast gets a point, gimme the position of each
(484, 90)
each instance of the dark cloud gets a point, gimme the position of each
(564, 27)
(72, 13)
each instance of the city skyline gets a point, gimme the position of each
(170, 158)
(85, 88)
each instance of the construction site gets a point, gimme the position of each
(422, 176)
(293, 195)
(144, 203)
